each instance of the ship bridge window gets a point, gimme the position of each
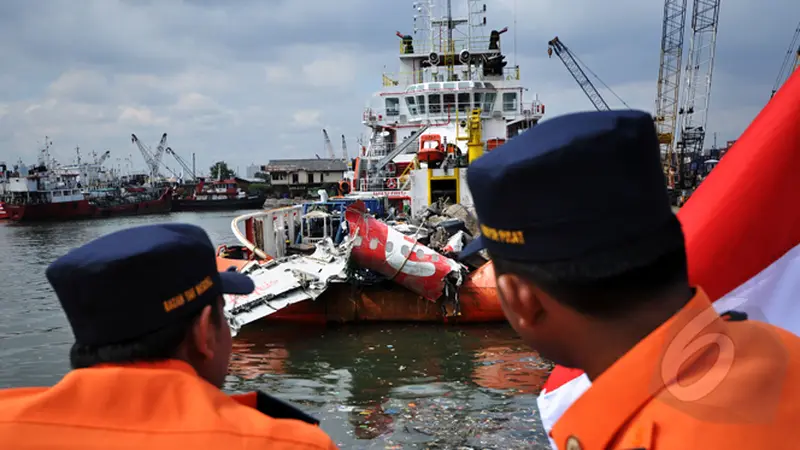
(449, 102)
(488, 101)
(464, 85)
(478, 85)
(488, 85)
(392, 106)
(421, 104)
(449, 85)
(464, 102)
(434, 103)
(434, 86)
(412, 107)
(510, 101)
(478, 96)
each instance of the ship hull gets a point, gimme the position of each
(84, 209)
(388, 302)
(161, 205)
(218, 205)
(80, 209)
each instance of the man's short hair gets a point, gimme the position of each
(607, 284)
(160, 345)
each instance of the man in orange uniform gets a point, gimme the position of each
(150, 356)
(591, 272)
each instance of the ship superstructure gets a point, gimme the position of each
(453, 89)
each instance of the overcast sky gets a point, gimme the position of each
(250, 80)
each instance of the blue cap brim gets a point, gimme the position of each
(236, 283)
(472, 248)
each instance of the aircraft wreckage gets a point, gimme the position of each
(317, 263)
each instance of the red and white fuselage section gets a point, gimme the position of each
(379, 247)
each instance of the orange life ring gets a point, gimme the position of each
(344, 187)
(391, 183)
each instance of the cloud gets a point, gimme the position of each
(250, 80)
(306, 118)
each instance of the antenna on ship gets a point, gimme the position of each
(515, 34)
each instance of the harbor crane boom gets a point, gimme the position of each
(789, 66)
(328, 145)
(693, 115)
(159, 153)
(184, 165)
(566, 56)
(152, 159)
(344, 150)
(103, 158)
(147, 154)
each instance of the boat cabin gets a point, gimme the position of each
(38, 185)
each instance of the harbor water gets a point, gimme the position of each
(372, 386)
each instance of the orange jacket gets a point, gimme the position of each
(150, 406)
(696, 382)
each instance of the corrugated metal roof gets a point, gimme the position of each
(311, 165)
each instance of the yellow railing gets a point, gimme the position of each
(388, 81)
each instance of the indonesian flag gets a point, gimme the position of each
(742, 229)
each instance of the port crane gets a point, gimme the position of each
(345, 155)
(344, 149)
(669, 81)
(682, 126)
(693, 114)
(152, 159)
(789, 66)
(99, 161)
(571, 63)
(328, 145)
(160, 152)
(183, 164)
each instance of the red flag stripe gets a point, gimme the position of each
(745, 214)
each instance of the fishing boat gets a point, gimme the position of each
(453, 99)
(218, 195)
(46, 192)
(39, 193)
(121, 201)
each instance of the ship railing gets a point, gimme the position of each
(385, 183)
(405, 78)
(268, 234)
(470, 43)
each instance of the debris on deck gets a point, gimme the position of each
(288, 280)
(418, 255)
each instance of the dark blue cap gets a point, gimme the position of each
(570, 186)
(133, 282)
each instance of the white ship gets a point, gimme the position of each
(453, 99)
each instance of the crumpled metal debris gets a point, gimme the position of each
(420, 255)
(285, 281)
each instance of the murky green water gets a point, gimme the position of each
(376, 387)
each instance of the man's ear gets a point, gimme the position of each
(521, 299)
(204, 333)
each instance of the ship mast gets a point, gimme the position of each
(451, 48)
